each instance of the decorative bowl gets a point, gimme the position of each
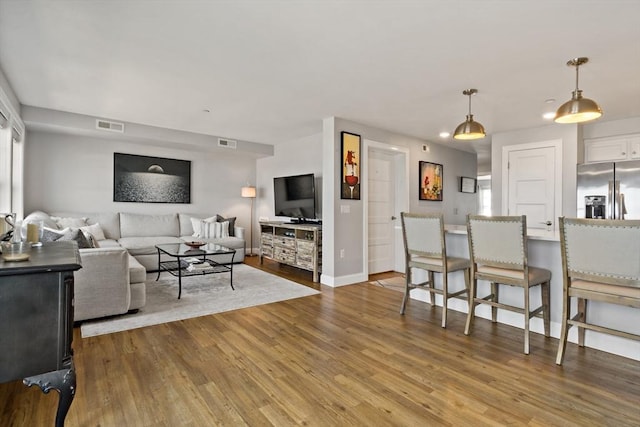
(195, 245)
(16, 251)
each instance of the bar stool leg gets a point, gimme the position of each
(494, 293)
(527, 318)
(582, 311)
(546, 306)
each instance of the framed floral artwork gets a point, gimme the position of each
(351, 165)
(430, 181)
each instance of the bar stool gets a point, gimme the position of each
(425, 248)
(600, 262)
(498, 248)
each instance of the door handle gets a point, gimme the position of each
(547, 223)
(393, 218)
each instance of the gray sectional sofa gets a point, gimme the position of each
(112, 278)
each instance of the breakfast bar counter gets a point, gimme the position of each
(542, 252)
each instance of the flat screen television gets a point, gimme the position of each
(295, 196)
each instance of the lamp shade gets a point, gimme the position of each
(249, 192)
(577, 109)
(469, 129)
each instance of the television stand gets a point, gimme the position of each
(298, 245)
(305, 221)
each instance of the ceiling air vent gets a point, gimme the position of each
(227, 143)
(110, 126)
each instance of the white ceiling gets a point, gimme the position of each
(270, 71)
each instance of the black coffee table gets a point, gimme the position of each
(205, 256)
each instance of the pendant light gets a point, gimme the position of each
(469, 129)
(577, 109)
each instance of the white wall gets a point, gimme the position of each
(296, 157)
(74, 173)
(346, 231)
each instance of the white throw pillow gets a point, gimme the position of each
(95, 230)
(197, 224)
(69, 222)
(215, 230)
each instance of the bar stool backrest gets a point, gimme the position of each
(423, 235)
(605, 251)
(498, 241)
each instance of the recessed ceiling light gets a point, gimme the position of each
(445, 134)
(549, 115)
(550, 100)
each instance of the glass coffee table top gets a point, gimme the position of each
(181, 249)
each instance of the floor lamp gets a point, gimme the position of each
(250, 193)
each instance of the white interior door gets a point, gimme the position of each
(532, 187)
(381, 208)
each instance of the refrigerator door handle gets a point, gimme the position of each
(610, 212)
(619, 200)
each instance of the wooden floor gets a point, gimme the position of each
(343, 357)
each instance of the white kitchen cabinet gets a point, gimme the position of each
(612, 149)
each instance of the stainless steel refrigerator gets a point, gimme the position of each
(609, 190)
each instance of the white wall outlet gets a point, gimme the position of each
(345, 209)
(341, 253)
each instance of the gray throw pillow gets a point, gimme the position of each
(51, 235)
(232, 223)
(77, 235)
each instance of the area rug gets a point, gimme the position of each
(201, 295)
(394, 283)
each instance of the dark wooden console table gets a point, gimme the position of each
(36, 321)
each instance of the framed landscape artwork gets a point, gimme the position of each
(146, 179)
(430, 181)
(351, 164)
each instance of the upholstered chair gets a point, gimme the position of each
(600, 262)
(498, 249)
(425, 249)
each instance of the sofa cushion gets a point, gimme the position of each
(143, 225)
(232, 223)
(95, 230)
(51, 234)
(109, 221)
(200, 226)
(137, 273)
(146, 245)
(76, 235)
(215, 230)
(109, 243)
(75, 222)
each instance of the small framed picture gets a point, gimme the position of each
(467, 185)
(430, 187)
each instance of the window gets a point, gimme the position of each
(11, 159)
(484, 195)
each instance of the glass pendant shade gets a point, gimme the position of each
(469, 129)
(577, 109)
